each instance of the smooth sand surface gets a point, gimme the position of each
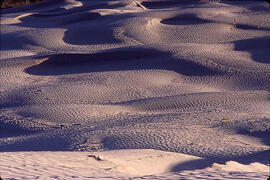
(188, 79)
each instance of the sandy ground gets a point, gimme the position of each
(189, 79)
(123, 164)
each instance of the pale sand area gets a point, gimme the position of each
(123, 164)
(190, 79)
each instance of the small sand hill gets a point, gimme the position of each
(120, 164)
(189, 77)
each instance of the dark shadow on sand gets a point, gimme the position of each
(186, 19)
(48, 6)
(93, 29)
(264, 136)
(257, 47)
(251, 27)
(13, 130)
(46, 17)
(132, 59)
(192, 165)
(261, 157)
(92, 35)
(236, 2)
(37, 143)
(46, 20)
(168, 4)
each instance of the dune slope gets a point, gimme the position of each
(189, 77)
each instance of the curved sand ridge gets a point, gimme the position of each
(188, 77)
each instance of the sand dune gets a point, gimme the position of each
(138, 164)
(119, 78)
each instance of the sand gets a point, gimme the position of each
(122, 164)
(158, 89)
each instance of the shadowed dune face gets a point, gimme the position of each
(186, 19)
(204, 163)
(43, 142)
(62, 16)
(55, 11)
(234, 2)
(7, 41)
(85, 7)
(257, 47)
(91, 35)
(192, 19)
(250, 27)
(94, 28)
(117, 61)
(45, 20)
(262, 135)
(159, 4)
(165, 4)
(13, 130)
(200, 164)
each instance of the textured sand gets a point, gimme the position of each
(189, 77)
(122, 164)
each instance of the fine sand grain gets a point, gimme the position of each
(154, 89)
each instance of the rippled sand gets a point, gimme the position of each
(189, 77)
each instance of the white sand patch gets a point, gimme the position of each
(235, 166)
(72, 4)
(135, 164)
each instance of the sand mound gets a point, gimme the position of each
(137, 59)
(186, 19)
(189, 77)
